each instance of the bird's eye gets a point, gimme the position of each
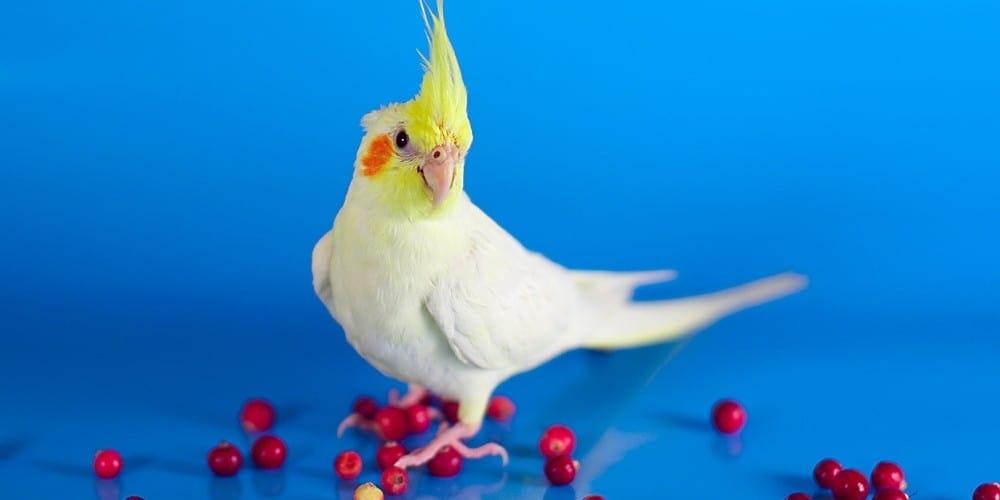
(402, 139)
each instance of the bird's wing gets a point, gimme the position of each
(321, 255)
(502, 306)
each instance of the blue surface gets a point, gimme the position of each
(166, 168)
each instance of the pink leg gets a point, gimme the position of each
(414, 394)
(452, 436)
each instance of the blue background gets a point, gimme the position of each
(165, 169)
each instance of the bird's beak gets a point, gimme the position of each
(439, 171)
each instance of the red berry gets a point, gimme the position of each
(347, 465)
(557, 440)
(365, 406)
(225, 459)
(257, 415)
(394, 480)
(450, 410)
(593, 497)
(107, 464)
(729, 416)
(987, 491)
(133, 497)
(798, 496)
(500, 408)
(268, 452)
(825, 472)
(418, 418)
(387, 454)
(446, 463)
(560, 470)
(850, 484)
(888, 476)
(890, 494)
(392, 423)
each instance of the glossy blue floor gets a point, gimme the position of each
(166, 169)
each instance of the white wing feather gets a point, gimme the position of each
(502, 306)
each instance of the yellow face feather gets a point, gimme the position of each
(400, 137)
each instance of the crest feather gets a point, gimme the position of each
(442, 100)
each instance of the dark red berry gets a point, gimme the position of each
(107, 464)
(850, 484)
(890, 494)
(560, 470)
(268, 452)
(394, 481)
(798, 496)
(427, 399)
(365, 406)
(557, 440)
(593, 497)
(418, 418)
(392, 423)
(825, 471)
(450, 410)
(257, 415)
(225, 459)
(987, 491)
(501, 408)
(888, 476)
(446, 463)
(347, 465)
(728, 416)
(133, 497)
(387, 454)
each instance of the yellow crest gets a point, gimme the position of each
(441, 103)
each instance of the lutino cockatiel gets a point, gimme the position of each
(434, 293)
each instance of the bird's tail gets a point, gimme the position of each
(642, 323)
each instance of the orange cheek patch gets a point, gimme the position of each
(377, 156)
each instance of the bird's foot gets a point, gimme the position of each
(452, 436)
(414, 394)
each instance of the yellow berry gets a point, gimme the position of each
(368, 491)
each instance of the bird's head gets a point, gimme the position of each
(412, 156)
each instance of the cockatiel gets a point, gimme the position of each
(432, 292)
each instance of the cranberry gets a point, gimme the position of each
(593, 497)
(446, 463)
(825, 472)
(560, 470)
(395, 480)
(850, 484)
(450, 410)
(392, 423)
(729, 416)
(557, 440)
(890, 494)
(133, 497)
(107, 464)
(268, 452)
(798, 496)
(888, 476)
(501, 408)
(257, 415)
(366, 407)
(387, 454)
(225, 459)
(347, 465)
(418, 418)
(987, 491)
